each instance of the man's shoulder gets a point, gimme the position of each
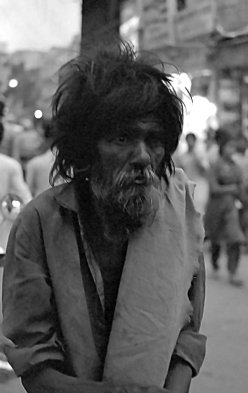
(46, 202)
(41, 213)
(179, 178)
(180, 184)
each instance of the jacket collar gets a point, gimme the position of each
(65, 196)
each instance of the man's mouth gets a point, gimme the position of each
(141, 180)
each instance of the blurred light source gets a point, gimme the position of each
(182, 83)
(202, 115)
(38, 114)
(13, 83)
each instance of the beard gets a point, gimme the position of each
(125, 200)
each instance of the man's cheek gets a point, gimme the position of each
(159, 155)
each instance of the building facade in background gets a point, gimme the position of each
(207, 39)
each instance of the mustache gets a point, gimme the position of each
(124, 184)
(140, 177)
(126, 198)
(131, 190)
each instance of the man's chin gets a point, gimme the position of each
(129, 212)
(140, 200)
(124, 210)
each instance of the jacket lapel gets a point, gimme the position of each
(62, 250)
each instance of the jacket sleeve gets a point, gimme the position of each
(29, 318)
(191, 344)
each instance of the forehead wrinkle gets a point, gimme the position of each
(149, 126)
(135, 128)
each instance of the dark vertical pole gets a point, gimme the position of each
(100, 21)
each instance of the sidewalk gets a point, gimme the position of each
(225, 324)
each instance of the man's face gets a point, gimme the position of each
(127, 168)
(136, 147)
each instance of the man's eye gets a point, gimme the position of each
(155, 142)
(121, 139)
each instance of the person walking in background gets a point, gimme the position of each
(211, 145)
(241, 159)
(11, 129)
(222, 223)
(39, 167)
(194, 162)
(104, 279)
(27, 144)
(11, 181)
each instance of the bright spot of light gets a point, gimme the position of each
(13, 83)
(182, 85)
(16, 204)
(181, 82)
(201, 116)
(38, 114)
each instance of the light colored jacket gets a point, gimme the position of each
(45, 306)
(11, 181)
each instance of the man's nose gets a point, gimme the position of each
(141, 156)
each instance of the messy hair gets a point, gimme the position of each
(97, 94)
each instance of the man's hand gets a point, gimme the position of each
(179, 376)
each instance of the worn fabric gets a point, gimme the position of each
(196, 165)
(46, 304)
(162, 259)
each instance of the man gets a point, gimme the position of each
(11, 181)
(104, 279)
(193, 161)
(11, 129)
(27, 144)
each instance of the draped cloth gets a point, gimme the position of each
(152, 304)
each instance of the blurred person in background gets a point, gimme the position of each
(11, 129)
(27, 144)
(108, 268)
(222, 223)
(241, 159)
(11, 181)
(39, 167)
(195, 164)
(211, 145)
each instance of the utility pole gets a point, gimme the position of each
(100, 21)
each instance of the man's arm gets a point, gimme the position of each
(179, 376)
(190, 348)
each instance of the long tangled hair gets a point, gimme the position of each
(114, 86)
